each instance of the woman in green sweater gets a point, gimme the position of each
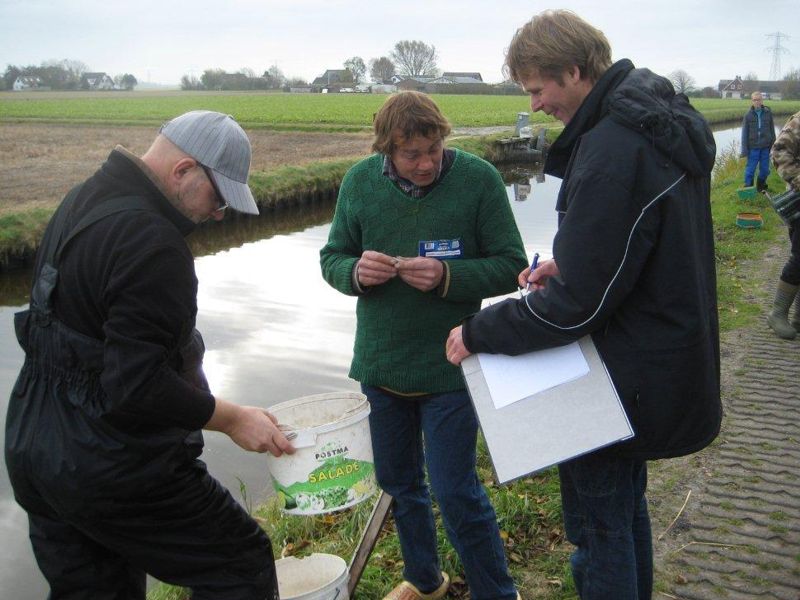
(421, 235)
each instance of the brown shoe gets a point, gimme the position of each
(408, 591)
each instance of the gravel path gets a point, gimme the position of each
(739, 535)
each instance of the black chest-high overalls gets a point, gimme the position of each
(109, 503)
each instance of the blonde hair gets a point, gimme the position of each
(409, 114)
(553, 42)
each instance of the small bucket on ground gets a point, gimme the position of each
(749, 220)
(333, 466)
(746, 193)
(316, 577)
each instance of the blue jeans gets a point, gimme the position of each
(760, 157)
(605, 517)
(448, 425)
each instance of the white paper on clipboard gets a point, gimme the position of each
(549, 426)
(512, 378)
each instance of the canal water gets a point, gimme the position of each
(274, 330)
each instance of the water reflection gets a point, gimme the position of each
(236, 230)
(15, 287)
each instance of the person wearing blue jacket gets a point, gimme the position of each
(633, 266)
(758, 135)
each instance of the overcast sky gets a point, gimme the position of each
(161, 41)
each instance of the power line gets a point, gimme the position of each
(777, 50)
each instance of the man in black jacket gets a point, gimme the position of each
(633, 266)
(103, 427)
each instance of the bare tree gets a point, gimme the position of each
(212, 79)
(791, 85)
(415, 58)
(76, 69)
(682, 81)
(296, 82)
(751, 76)
(709, 92)
(190, 82)
(381, 69)
(275, 77)
(125, 81)
(357, 67)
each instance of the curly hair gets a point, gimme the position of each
(408, 113)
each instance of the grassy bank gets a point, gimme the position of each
(21, 231)
(528, 510)
(737, 299)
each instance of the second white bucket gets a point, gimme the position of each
(333, 466)
(316, 577)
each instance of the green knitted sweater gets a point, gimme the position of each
(401, 331)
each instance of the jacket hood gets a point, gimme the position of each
(647, 103)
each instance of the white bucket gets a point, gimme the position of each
(333, 466)
(316, 577)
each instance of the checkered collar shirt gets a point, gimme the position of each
(411, 188)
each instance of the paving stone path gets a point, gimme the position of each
(739, 537)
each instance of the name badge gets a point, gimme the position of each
(441, 249)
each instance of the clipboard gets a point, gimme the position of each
(550, 426)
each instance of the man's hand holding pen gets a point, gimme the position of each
(535, 278)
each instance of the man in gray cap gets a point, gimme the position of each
(103, 426)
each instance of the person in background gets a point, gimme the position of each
(758, 135)
(633, 267)
(420, 235)
(786, 159)
(103, 427)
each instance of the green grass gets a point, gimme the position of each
(321, 112)
(20, 233)
(737, 248)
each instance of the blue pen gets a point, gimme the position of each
(533, 266)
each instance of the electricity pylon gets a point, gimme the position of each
(777, 50)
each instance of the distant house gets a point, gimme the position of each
(731, 88)
(96, 81)
(739, 88)
(26, 82)
(457, 80)
(333, 80)
(452, 83)
(468, 75)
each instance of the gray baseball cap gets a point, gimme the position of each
(216, 141)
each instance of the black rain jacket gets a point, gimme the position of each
(635, 251)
